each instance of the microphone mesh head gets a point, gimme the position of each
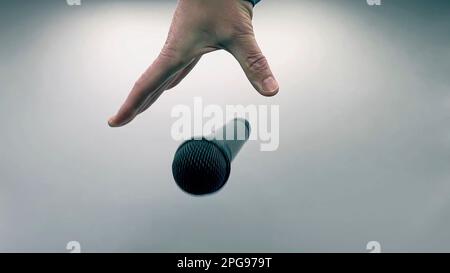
(200, 167)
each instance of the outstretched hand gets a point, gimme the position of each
(200, 27)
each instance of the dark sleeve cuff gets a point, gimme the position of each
(254, 2)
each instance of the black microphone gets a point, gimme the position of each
(202, 166)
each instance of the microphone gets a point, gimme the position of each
(202, 166)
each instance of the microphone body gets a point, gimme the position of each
(203, 166)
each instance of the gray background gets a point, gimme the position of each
(364, 149)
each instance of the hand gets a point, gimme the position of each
(199, 27)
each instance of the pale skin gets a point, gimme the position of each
(200, 27)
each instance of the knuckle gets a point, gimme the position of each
(257, 62)
(235, 33)
(172, 56)
(139, 83)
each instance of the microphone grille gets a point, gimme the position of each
(200, 167)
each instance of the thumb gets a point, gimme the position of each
(254, 63)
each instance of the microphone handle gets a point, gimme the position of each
(231, 137)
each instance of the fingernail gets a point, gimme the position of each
(270, 85)
(110, 122)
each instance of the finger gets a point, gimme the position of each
(161, 71)
(155, 95)
(183, 73)
(172, 82)
(249, 55)
(151, 100)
